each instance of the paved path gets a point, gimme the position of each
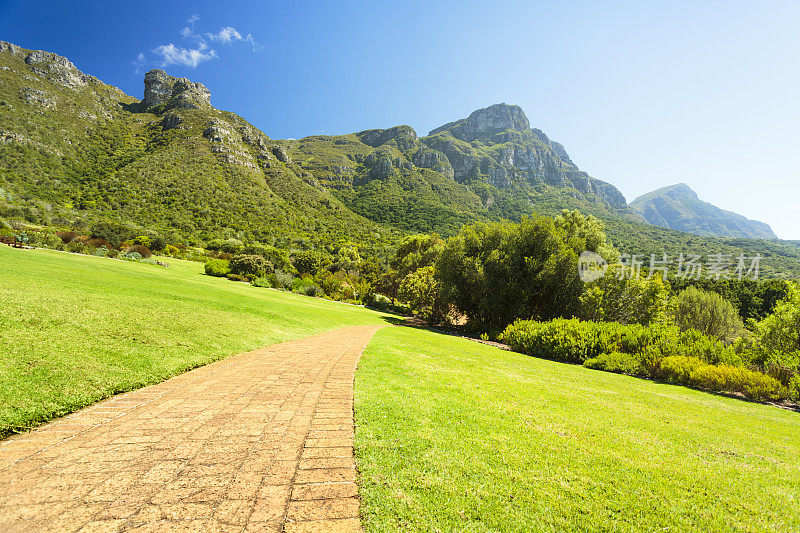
(262, 441)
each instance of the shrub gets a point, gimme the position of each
(158, 243)
(312, 290)
(281, 280)
(140, 249)
(379, 302)
(239, 277)
(66, 236)
(707, 312)
(299, 284)
(173, 251)
(794, 389)
(250, 265)
(46, 239)
(231, 246)
(678, 368)
(263, 281)
(218, 267)
(76, 247)
(621, 363)
(114, 232)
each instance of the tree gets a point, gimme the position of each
(707, 312)
(420, 290)
(307, 262)
(250, 265)
(415, 252)
(615, 298)
(496, 273)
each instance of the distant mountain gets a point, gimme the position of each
(678, 207)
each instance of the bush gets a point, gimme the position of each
(218, 267)
(281, 280)
(708, 313)
(140, 249)
(253, 266)
(263, 281)
(46, 239)
(312, 290)
(114, 232)
(656, 351)
(794, 389)
(76, 247)
(299, 284)
(678, 369)
(379, 302)
(66, 236)
(621, 363)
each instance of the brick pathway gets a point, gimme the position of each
(262, 441)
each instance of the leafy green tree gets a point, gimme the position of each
(250, 265)
(496, 273)
(615, 298)
(707, 312)
(420, 290)
(415, 252)
(307, 261)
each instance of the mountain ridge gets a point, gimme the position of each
(679, 207)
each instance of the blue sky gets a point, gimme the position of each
(642, 94)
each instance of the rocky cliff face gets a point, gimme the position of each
(678, 207)
(497, 144)
(486, 122)
(163, 92)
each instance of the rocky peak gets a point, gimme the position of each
(167, 92)
(54, 67)
(405, 136)
(487, 122)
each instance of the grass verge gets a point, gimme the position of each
(75, 329)
(453, 435)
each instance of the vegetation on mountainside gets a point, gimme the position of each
(76, 329)
(453, 435)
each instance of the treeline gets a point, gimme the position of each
(520, 283)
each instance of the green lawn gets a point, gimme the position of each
(453, 435)
(75, 329)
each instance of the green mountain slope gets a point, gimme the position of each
(74, 149)
(678, 207)
(489, 165)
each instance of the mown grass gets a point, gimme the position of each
(453, 435)
(75, 329)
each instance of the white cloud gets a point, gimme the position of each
(193, 55)
(226, 35)
(189, 57)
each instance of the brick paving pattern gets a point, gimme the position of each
(262, 441)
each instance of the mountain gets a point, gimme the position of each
(678, 207)
(489, 165)
(74, 150)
